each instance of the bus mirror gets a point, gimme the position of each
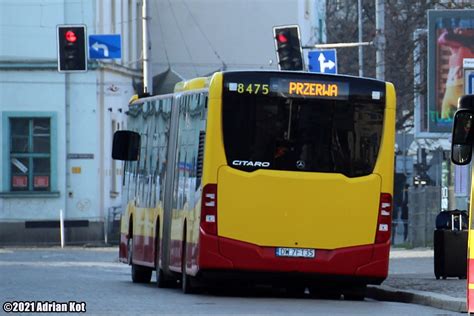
(462, 138)
(126, 145)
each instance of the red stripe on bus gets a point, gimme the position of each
(227, 254)
(176, 256)
(144, 252)
(470, 280)
(470, 268)
(470, 300)
(123, 247)
(223, 253)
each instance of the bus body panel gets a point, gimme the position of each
(214, 155)
(186, 183)
(143, 233)
(386, 158)
(297, 209)
(368, 262)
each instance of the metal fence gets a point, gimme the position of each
(112, 225)
(424, 204)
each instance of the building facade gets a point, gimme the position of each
(56, 128)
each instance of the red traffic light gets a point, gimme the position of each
(288, 47)
(71, 48)
(282, 38)
(71, 36)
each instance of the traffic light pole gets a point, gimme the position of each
(147, 89)
(380, 39)
(361, 51)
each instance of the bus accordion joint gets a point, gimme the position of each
(384, 220)
(209, 209)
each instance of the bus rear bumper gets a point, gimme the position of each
(369, 263)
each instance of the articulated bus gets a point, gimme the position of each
(277, 177)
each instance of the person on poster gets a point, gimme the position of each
(460, 42)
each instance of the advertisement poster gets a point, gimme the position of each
(450, 41)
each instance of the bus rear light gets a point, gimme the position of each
(209, 209)
(384, 221)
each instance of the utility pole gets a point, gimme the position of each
(147, 89)
(361, 52)
(380, 39)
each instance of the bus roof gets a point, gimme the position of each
(193, 84)
(204, 82)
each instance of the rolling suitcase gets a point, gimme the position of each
(450, 246)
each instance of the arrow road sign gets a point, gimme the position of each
(470, 83)
(104, 46)
(323, 64)
(323, 61)
(96, 46)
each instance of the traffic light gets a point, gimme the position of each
(288, 46)
(72, 48)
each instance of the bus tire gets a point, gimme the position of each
(139, 274)
(295, 290)
(187, 281)
(161, 280)
(129, 251)
(356, 293)
(325, 293)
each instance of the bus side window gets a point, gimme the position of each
(200, 158)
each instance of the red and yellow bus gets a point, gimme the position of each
(285, 177)
(461, 154)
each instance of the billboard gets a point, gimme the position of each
(450, 41)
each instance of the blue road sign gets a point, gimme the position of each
(470, 84)
(105, 46)
(323, 61)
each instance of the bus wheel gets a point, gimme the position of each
(325, 293)
(161, 280)
(187, 281)
(139, 274)
(295, 290)
(129, 251)
(356, 293)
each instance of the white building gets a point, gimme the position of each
(56, 128)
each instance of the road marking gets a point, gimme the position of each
(64, 264)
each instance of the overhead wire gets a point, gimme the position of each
(224, 66)
(182, 36)
(160, 27)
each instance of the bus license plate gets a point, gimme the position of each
(295, 252)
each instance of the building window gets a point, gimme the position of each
(30, 154)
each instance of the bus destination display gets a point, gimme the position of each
(310, 88)
(293, 88)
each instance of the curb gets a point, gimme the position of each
(441, 301)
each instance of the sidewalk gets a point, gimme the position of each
(411, 280)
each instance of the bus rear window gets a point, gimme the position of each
(283, 132)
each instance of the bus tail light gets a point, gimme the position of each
(384, 222)
(209, 209)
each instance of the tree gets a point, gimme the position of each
(402, 19)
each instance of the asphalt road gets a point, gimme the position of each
(93, 276)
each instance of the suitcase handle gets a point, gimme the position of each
(453, 216)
